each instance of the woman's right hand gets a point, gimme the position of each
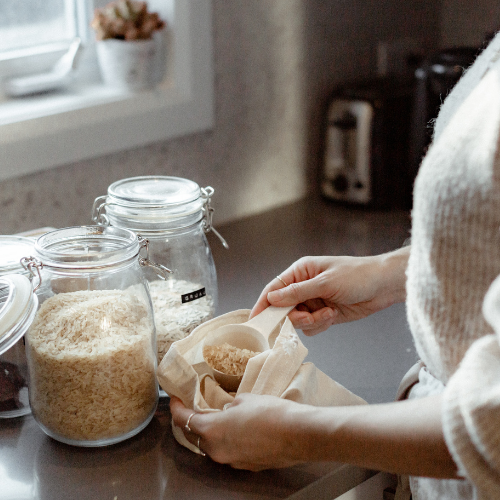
(333, 290)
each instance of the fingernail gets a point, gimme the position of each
(277, 295)
(328, 314)
(306, 321)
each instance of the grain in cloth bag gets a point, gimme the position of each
(279, 371)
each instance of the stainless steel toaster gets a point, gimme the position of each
(366, 157)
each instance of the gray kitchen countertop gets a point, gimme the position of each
(152, 465)
(149, 466)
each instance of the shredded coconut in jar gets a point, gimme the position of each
(175, 320)
(228, 359)
(91, 364)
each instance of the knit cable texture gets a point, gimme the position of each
(455, 257)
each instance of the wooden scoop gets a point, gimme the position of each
(252, 335)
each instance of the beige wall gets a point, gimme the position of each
(275, 63)
(466, 22)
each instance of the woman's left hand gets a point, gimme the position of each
(253, 433)
(264, 432)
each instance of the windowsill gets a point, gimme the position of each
(41, 132)
(22, 110)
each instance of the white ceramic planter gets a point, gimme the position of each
(128, 65)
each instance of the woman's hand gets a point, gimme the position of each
(250, 434)
(333, 290)
(263, 432)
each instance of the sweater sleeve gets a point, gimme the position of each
(471, 406)
(464, 86)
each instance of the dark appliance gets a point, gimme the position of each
(366, 147)
(435, 78)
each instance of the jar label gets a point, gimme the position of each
(189, 297)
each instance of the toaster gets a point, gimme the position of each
(366, 144)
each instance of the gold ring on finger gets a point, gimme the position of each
(202, 453)
(282, 280)
(188, 429)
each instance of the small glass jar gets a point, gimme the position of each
(173, 214)
(14, 400)
(91, 346)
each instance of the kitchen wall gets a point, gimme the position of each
(275, 63)
(466, 23)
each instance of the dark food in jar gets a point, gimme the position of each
(11, 382)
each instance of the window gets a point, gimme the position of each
(30, 23)
(35, 33)
(88, 119)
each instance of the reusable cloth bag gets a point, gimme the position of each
(279, 371)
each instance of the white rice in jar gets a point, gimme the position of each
(91, 363)
(173, 319)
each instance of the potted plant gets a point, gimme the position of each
(127, 43)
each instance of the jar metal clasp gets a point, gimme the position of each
(161, 271)
(208, 212)
(33, 266)
(98, 216)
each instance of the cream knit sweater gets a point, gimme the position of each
(455, 257)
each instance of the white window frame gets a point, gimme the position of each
(41, 132)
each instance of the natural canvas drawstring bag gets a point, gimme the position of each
(279, 371)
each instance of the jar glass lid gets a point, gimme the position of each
(153, 191)
(12, 250)
(18, 305)
(86, 247)
(151, 203)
